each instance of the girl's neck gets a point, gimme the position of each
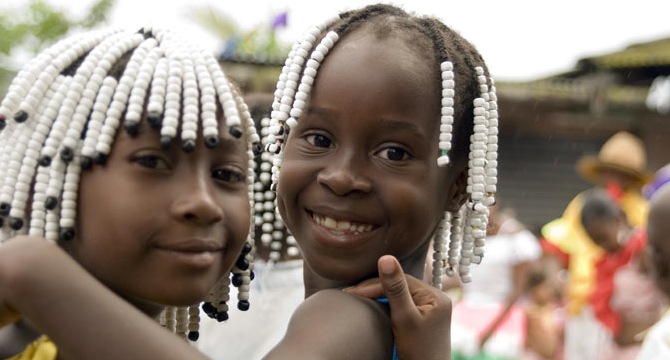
(152, 310)
(315, 283)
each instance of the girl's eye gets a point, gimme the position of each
(152, 162)
(318, 140)
(228, 175)
(394, 153)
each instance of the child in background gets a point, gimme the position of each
(159, 210)
(544, 317)
(489, 321)
(614, 332)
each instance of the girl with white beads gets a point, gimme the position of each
(133, 153)
(385, 134)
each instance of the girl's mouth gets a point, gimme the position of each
(345, 226)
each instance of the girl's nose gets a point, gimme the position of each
(345, 175)
(197, 200)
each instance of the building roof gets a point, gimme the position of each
(620, 79)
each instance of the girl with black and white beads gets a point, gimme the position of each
(159, 211)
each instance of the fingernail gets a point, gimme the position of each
(387, 267)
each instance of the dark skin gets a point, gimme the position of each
(359, 179)
(28, 287)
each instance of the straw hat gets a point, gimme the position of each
(623, 153)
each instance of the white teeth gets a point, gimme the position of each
(331, 223)
(341, 224)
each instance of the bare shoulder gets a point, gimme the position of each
(332, 324)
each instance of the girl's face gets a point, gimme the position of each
(606, 233)
(162, 226)
(359, 176)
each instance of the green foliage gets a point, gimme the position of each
(30, 28)
(260, 42)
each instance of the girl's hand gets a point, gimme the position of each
(12, 259)
(420, 313)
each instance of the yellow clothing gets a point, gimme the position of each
(40, 349)
(568, 235)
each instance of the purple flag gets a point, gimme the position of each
(280, 20)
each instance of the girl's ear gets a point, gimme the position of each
(457, 194)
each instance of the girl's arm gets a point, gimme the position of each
(332, 324)
(85, 319)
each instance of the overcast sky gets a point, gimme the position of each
(519, 39)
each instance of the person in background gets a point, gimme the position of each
(620, 167)
(624, 302)
(656, 344)
(489, 321)
(545, 317)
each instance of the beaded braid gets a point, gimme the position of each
(468, 94)
(62, 112)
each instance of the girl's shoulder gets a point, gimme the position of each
(334, 324)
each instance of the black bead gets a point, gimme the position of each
(188, 145)
(211, 141)
(4, 209)
(246, 248)
(15, 223)
(243, 305)
(236, 280)
(2, 222)
(21, 116)
(252, 275)
(3, 123)
(100, 158)
(86, 162)
(131, 128)
(222, 316)
(235, 131)
(45, 160)
(193, 335)
(154, 119)
(257, 148)
(209, 309)
(67, 154)
(66, 234)
(166, 142)
(242, 263)
(51, 202)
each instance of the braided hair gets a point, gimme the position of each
(468, 116)
(61, 114)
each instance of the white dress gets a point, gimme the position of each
(485, 297)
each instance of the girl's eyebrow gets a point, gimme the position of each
(410, 126)
(320, 111)
(388, 124)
